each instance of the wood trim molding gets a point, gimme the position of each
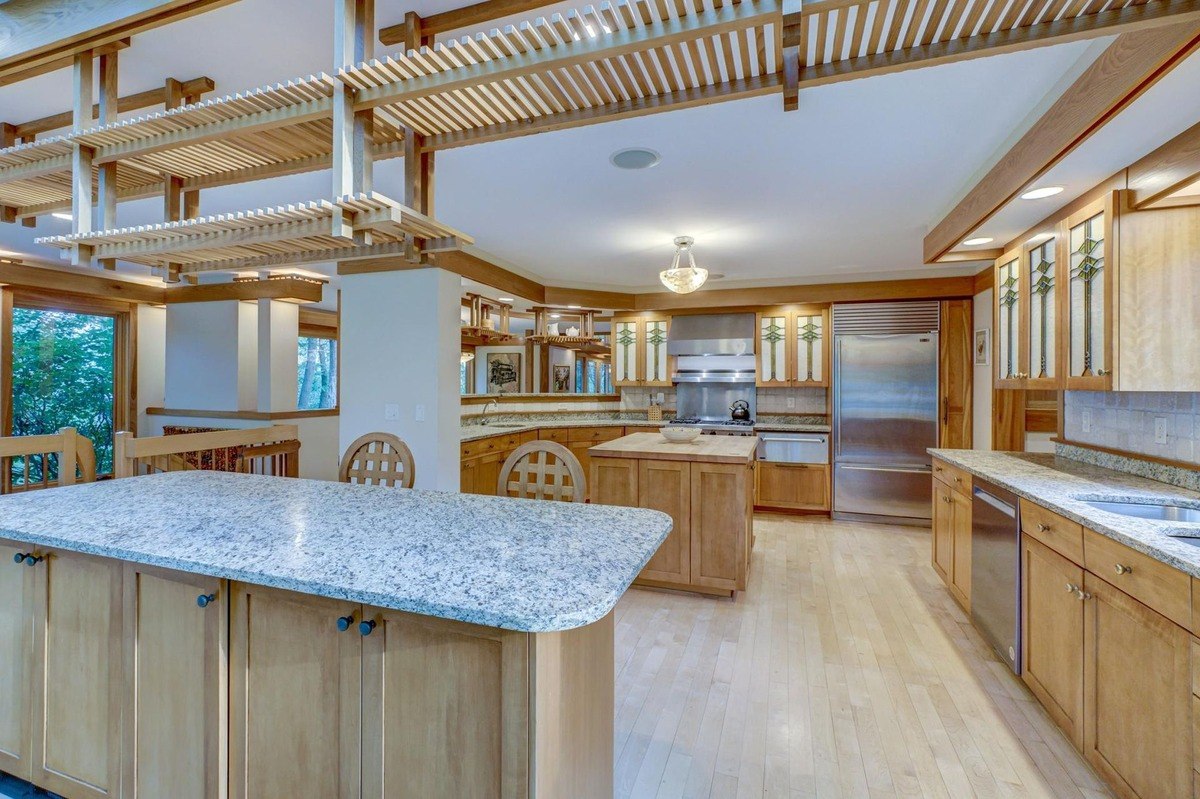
(817, 293)
(549, 399)
(1165, 171)
(287, 289)
(1123, 72)
(88, 284)
(248, 415)
(984, 280)
(1049, 225)
(456, 19)
(1126, 454)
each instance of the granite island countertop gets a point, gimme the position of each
(1064, 486)
(517, 564)
(476, 432)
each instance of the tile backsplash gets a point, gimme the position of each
(805, 401)
(1126, 420)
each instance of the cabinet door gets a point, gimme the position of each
(792, 486)
(78, 684)
(1006, 327)
(943, 530)
(467, 471)
(1052, 634)
(811, 345)
(1137, 695)
(294, 695)
(955, 374)
(614, 481)
(774, 348)
(487, 473)
(1039, 316)
(1087, 319)
(176, 693)
(445, 709)
(16, 660)
(960, 575)
(580, 450)
(721, 508)
(667, 486)
(626, 352)
(656, 364)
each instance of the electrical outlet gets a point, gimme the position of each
(662, 397)
(1085, 420)
(791, 403)
(391, 412)
(419, 413)
(1160, 429)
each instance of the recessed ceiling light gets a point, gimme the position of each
(556, 316)
(574, 306)
(505, 299)
(1042, 193)
(975, 242)
(61, 215)
(1039, 238)
(635, 158)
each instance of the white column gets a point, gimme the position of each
(211, 356)
(399, 350)
(278, 334)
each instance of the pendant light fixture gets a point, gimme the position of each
(683, 279)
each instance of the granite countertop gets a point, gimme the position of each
(475, 432)
(652, 446)
(1065, 485)
(518, 564)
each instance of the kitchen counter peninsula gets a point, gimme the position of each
(459, 644)
(707, 487)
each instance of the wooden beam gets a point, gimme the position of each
(16, 76)
(133, 102)
(353, 43)
(871, 291)
(1122, 73)
(82, 196)
(1048, 225)
(1168, 169)
(588, 298)
(106, 110)
(471, 16)
(89, 284)
(1089, 26)
(971, 256)
(34, 33)
(290, 289)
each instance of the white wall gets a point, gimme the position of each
(981, 410)
(211, 359)
(400, 344)
(278, 344)
(151, 362)
(247, 357)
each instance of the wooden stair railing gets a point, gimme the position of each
(35, 461)
(271, 450)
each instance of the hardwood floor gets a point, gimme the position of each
(845, 670)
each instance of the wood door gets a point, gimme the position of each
(445, 709)
(626, 352)
(775, 348)
(294, 684)
(1089, 274)
(809, 363)
(614, 481)
(955, 374)
(943, 530)
(722, 504)
(667, 486)
(1137, 727)
(176, 628)
(79, 682)
(1042, 287)
(16, 660)
(1052, 634)
(1007, 300)
(792, 486)
(960, 575)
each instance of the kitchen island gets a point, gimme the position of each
(706, 486)
(193, 633)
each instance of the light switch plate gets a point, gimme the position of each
(391, 412)
(791, 403)
(419, 413)
(1160, 429)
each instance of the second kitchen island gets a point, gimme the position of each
(706, 486)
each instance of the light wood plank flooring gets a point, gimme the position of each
(846, 670)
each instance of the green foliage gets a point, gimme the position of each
(316, 373)
(63, 377)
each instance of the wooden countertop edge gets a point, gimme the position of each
(641, 455)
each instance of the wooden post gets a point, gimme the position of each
(172, 184)
(8, 138)
(107, 181)
(82, 199)
(418, 161)
(353, 42)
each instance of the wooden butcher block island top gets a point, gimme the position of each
(710, 449)
(706, 486)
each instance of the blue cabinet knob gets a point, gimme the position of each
(344, 623)
(19, 558)
(365, 627)
(33, 560)
(204, 599)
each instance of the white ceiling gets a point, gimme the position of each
(843, 189)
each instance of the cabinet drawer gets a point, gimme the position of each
(1062, 535)
(1151, 582)
(483, 446)
(558, 434)
(952, 476)
(594, 434)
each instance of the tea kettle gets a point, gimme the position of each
(740, 411)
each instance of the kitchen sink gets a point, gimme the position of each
(1158, 511)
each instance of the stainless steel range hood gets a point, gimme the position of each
(712, 334)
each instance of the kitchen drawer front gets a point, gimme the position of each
(484, 446)
(1151, 582)
(558, 434)
(1062, 535)
(952, 476)
(594, 434)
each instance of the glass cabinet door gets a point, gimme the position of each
(657, 369)
(1039, 357)
(773, 335)
(625, 352)
(810, 349)
(1087, 333)
(1007, 323)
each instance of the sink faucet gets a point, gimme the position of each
(488, 407)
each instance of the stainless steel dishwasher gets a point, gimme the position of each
(996, 570)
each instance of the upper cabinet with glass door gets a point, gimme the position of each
(1086, 324)
(1008, 307)
(639, 351)
(793, 347)
(1039, 355)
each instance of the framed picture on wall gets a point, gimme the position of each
(503, 372)
(983, 346)
(562, 378)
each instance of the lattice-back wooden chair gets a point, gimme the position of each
(38, 453)
(542, 470)
(378, 459)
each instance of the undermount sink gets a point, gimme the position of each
(505, 425)
(1158, 511)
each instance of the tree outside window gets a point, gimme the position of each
(316, 373)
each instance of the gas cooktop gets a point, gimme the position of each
(743, 426)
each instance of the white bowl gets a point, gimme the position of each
(680, 435)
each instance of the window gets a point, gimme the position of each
(63, 376)
(316, 373)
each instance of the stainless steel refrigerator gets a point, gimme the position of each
(885, 402)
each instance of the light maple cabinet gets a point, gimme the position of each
(792, 486)
(16, 660)
(951, 533)
(667, 486)
(722, 511)
(639, 351)
(1026, 302)
(177, 684)
(792, 347)
(1090, 284)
